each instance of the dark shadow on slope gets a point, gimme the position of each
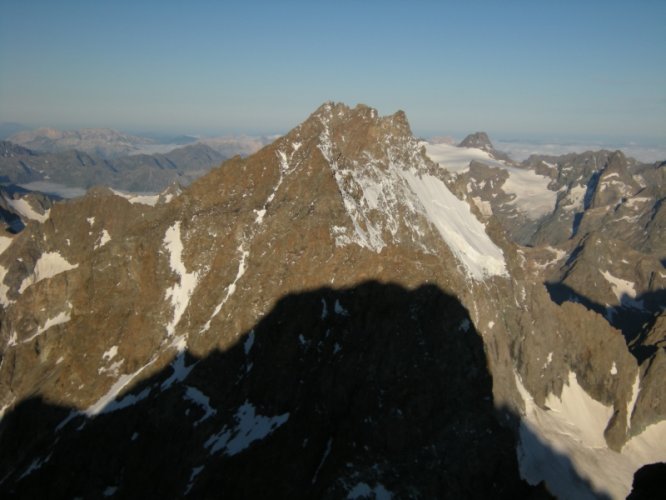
(587, 203)
(633, 316)
(649, 482)
(365, 389)
(14, 223)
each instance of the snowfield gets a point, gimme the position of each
(460, 229)
(566, 443)
(531, 192)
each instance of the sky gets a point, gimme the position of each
(516, 69)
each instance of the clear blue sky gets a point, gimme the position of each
(588, 68)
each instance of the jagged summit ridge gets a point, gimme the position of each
(388, 185)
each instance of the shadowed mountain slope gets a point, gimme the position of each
(374, 387)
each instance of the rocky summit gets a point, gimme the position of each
(347, 313)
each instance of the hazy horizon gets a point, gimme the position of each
(578, 69)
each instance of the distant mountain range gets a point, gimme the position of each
(136, 173)
(66, 163)
(104, 142)
(110, 144)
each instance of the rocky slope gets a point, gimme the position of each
(336, 315)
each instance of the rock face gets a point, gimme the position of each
(334, 316)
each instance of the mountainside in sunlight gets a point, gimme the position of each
(347, 312)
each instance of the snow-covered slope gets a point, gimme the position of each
(573, 426)
(529, 190)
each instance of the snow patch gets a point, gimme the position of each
(4, 289)
(231, 289)
(104, 238)
(613, 370)
(339, 310)
(327, 452)
(484, 207)
(36, 464)
(249, 342)
(180, 370)
(201, 400)
(108, 403)
(58, 319)
(260, 216)
(142, 199)
(635, 389)
(363, 490)
(47, 266)
(575, 198)
(109, 491)
(621, 288)
(193, 475)
(111, 370)
(249, 427)
(5, 241)
(632, 202)
(110, 354)
(559, 255)
(179, 293)
(112, 404)
(25, 210)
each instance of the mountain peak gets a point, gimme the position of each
(479, 140)
(341, 111)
